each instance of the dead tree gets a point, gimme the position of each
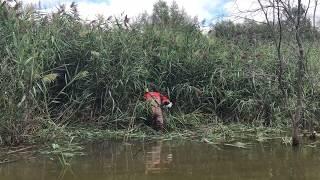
(300, 79)
(295, 12)
(276, 29)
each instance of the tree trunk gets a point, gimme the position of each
(300, 76)
(280, 65)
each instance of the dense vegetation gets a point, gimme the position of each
(57, 70)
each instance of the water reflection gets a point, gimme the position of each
(64, 171)
(157, 159)
(173, 160)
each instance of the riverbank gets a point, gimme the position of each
(65, 143)
(215, 134)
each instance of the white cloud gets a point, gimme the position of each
(90, 8)
(239, 10)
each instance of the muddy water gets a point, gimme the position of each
(174, 160)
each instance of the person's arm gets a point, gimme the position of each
(165, 101)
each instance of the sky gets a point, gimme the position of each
(209, 10)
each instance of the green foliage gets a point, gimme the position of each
(250, 32)
(56, 70)
(171, 17)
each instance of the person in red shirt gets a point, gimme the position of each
(157, 100)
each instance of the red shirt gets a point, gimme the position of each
(159, 98)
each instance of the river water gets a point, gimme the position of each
(173, 160)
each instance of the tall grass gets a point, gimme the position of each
(57, 70)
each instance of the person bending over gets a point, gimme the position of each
(157, 100)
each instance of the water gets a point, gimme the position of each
(174, 160)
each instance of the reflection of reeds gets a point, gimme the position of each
(9, 155)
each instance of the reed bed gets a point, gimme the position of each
(57, 70)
